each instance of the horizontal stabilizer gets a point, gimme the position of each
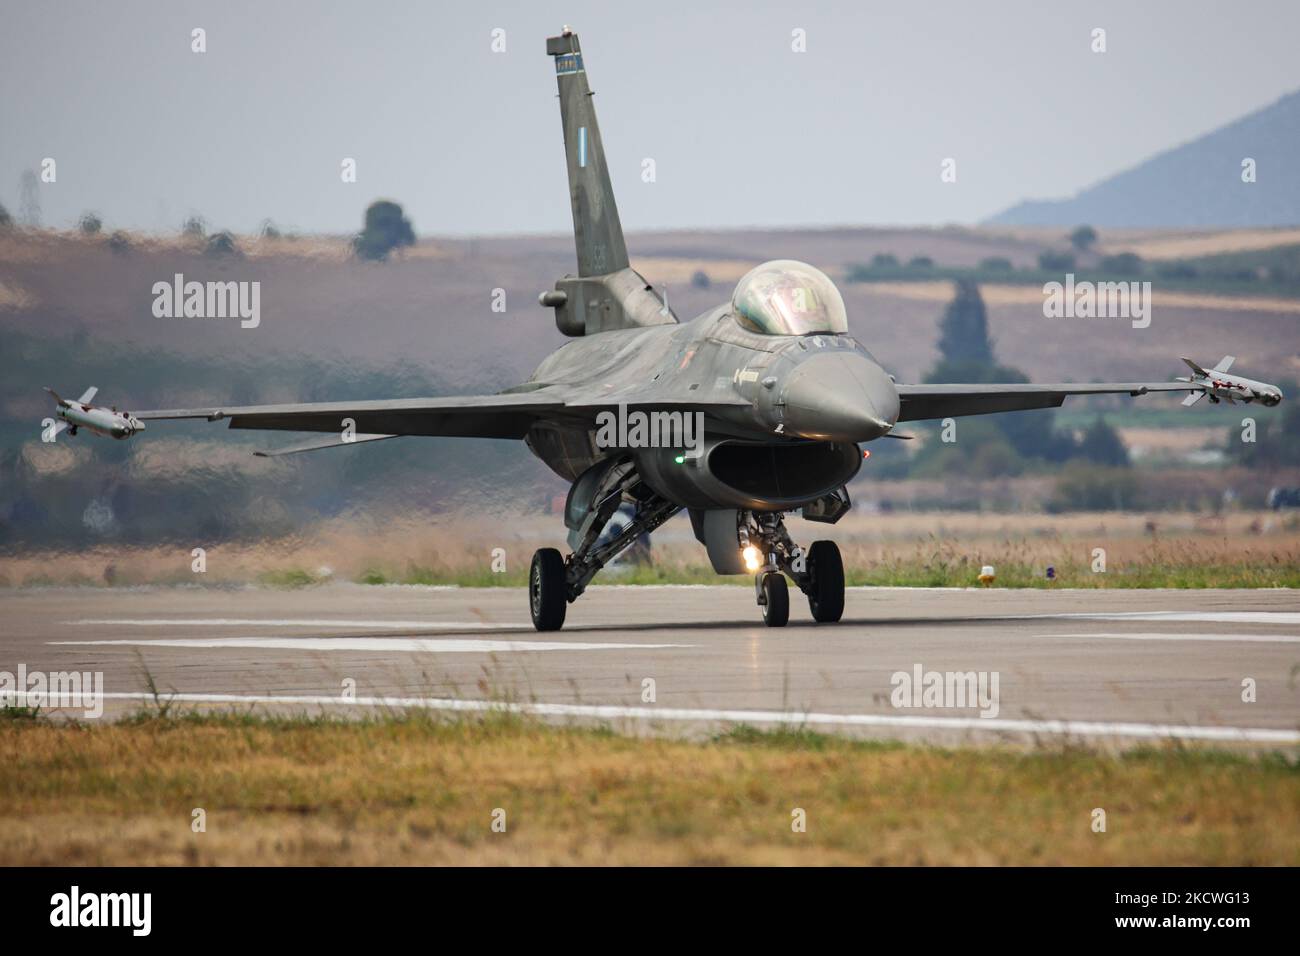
(1225, 363)
(1193, 398)
(320, 443)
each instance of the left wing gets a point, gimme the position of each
(921, 402)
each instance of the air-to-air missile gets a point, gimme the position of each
(102, 421)
(1218, 384)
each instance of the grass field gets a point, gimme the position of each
(416, 790)
(900, 548)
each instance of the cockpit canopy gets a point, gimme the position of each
(787, 297)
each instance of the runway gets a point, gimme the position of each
(1113, 666)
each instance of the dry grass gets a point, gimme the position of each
(1238, 549)
(414, 791)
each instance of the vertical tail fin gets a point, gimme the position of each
(597, 232)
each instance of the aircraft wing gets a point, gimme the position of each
(507, 415)
(920, 402)
(468, 416)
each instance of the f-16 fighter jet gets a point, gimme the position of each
(751, 411)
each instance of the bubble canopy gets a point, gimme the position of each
(787, 297)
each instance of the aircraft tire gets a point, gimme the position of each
(776, 612)
(547, 591)
(826, 595)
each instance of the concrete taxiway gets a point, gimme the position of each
(1099, 666)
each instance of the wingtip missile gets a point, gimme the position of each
(1220, 385)
(99, 421)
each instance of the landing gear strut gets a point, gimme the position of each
(819, 572)
(554, 582)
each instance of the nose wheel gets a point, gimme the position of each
(776, 599)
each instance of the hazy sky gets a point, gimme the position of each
(743, 131)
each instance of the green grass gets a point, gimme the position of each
(939, 570)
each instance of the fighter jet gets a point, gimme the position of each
(784, 397)
(100, 421)
(1218, 384)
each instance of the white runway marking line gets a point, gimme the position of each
(1156, 636)
(299, 622)
(1180, 617)
(1071, 728)
(410, 645)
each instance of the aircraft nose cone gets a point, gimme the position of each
(839, 396)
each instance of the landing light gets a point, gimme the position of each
(753, 557)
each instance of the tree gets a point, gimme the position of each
(386, 229)
(6, 220)
(1101, 444)
(221, 244)
(996, 264)
(967, 356)
(195, 227)
(964, 328)
(1124, 264)
(1083, 238)
(700, 279)
(884, 260)
(90, 224)
(1051, 261)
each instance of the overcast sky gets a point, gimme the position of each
(743, 130)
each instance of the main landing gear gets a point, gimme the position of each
(554, 581)
(769, 552)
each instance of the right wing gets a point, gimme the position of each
(467, 416)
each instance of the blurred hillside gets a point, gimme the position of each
(77, 310)
(1156, 192)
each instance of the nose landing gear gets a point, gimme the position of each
(819, 572)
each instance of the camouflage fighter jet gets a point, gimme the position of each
(753, 410)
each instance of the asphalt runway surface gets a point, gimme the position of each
(1113, 666)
